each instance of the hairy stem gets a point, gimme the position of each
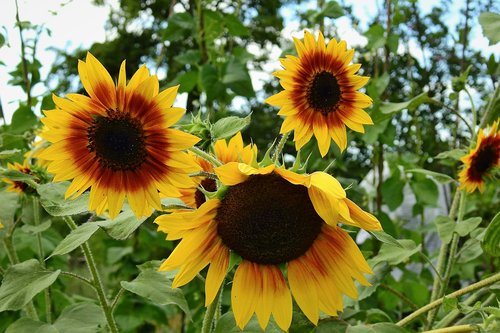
(215, 162)
(41, 258)
(455, 329)
(208, 319)
(475, 286)
(96, 280)
(280, 146)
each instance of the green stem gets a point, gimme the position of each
(455, 329)
(41, 256)
(204, 174)
(116, 299)
(492, 298)
(473, 108)
(279, 147)
(399, 295)
(79, 277)
(475, 286)
(208, 319)
(438, 280)
(96, 280)
(215, 162)
(448, 319)
(489, 107)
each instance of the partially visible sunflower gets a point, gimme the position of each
(14, 185)
(272, 218)
(481, 160)
(118, 141)
(320, 94)
(1, 226)
(234, 151)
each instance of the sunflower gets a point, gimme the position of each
(118, 141)
(17, 186)
(272, 218)
(320, 94)
(234, 151)
(481, 160)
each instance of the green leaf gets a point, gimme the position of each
(189, 57)
(463, 228)
(375, 37)
(440, 177)
(490, 22)
(454, 154)
(376, 328)
(5, 154)
(450, 303)
(445, 227)
(330, 9)
(122, 226)
(81, 318)
(52, 199)
(387, 108)
(426, 191)
(237, 79)
(392, 191)
(23, 119)
(8, 206)
(24, 325)
(188, 81)
(234, 26)
(212, 24)
(227, 324)
(228, 126)
(75, 238)
(386, 238)
(35, 229)
(16, 175)
(210, 82)
(394, 254)
(331, 325)
(491, 242)
(156, 286)
(22, 282)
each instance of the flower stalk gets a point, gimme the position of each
(96, 280)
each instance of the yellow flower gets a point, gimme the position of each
(234, 151)
(17, 186)
(481, 160)
(1, 226)
(118, 141)
(272, 217)
(320, 94)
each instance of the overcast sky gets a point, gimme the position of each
(78, 23)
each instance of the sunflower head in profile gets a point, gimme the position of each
(18, 186)
(117, 141)
(273, 219)
(481, 160)
(320, 94)
(225, 152)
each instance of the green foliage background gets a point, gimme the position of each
(403, 169)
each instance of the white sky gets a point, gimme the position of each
(78, 23)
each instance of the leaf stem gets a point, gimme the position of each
(79, 277)
(475, 286)
(96, 280)
(114, 303)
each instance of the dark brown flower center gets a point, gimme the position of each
(208, 184)
(486, 157)
(324, 93)
(118, 141)
(267, 220)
